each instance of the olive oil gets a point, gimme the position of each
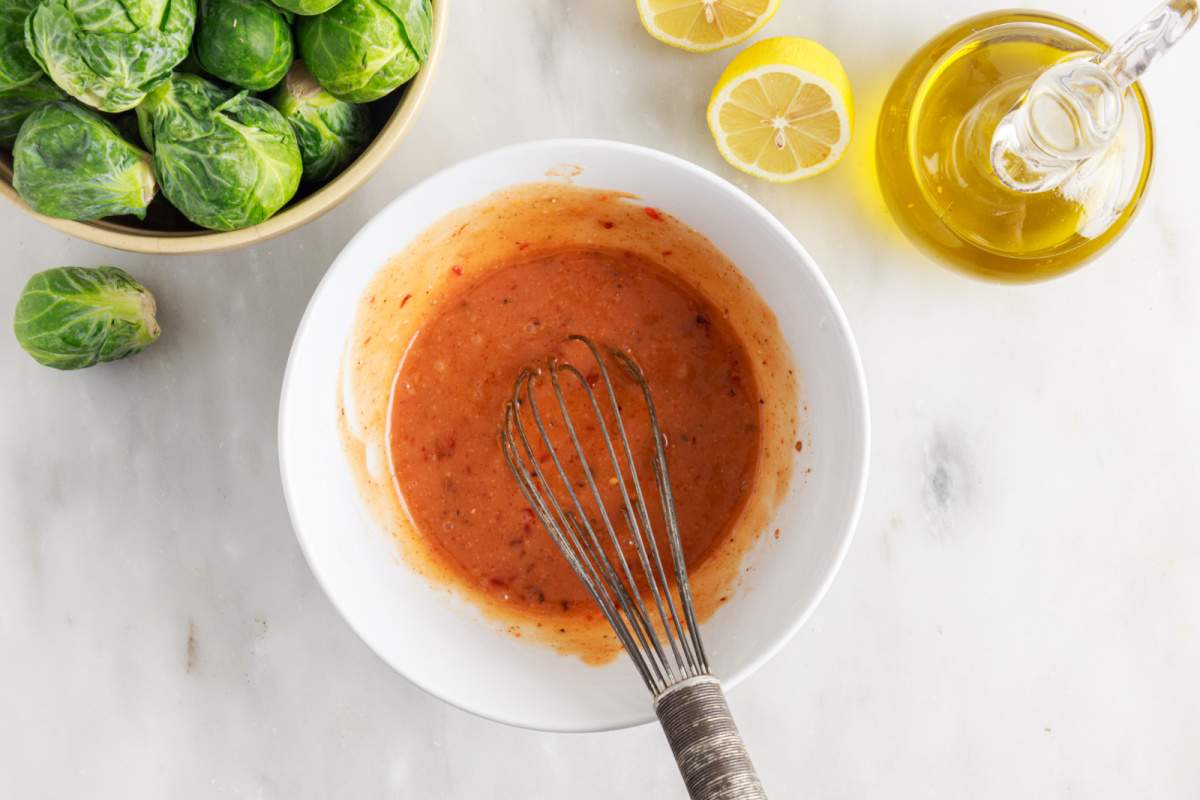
(932, 153)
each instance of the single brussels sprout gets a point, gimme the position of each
(74, 317)
(360, 50)
(71, 163)
(225, 160)
(109, 53)
(18, 103)
(331, 132)
(17, 66)
(245, 42)
(306, 8)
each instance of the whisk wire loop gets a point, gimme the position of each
(628, 597)
(588, 549)
(589, 537)
(631, 522)
(662, 478)
(563, 527)
(688, 660)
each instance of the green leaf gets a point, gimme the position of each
(17, 66)
(18, 103)
(306, 8)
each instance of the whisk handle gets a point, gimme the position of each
(706, 742)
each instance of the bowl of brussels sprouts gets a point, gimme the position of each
(187, 126)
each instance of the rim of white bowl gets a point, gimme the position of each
(839, 316)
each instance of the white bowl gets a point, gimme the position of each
(441, 643)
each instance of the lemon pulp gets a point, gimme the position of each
(704, 25)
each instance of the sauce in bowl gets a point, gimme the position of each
(459, 371)
(446, 327)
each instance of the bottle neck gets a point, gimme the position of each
(1072, 112)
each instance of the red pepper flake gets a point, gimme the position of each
(405, 299)
(522, 245)
(444, 448)
(777, 533)
(653, 213)
(799, 446)
(667, 253)
(457, 270)
(606, 224)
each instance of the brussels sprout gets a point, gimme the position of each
(306, 8)
(244, 42)
(224, 160)
(17, 66)
(109, 53)
(360, 50)
(330, 132)
(18, 103)
(70, 162)
(74, 317)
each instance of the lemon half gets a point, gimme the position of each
(782, 110)
(704, 25)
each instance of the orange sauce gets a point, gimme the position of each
(444, 328)
(454, 381)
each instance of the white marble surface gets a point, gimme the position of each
(1019, 615)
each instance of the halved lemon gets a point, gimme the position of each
(704, 25)
(782, 110)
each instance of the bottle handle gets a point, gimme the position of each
(1072, 112)
(1132, 54)
(708, 748)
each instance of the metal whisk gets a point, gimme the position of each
(664, 642)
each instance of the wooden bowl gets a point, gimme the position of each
(164, 231)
